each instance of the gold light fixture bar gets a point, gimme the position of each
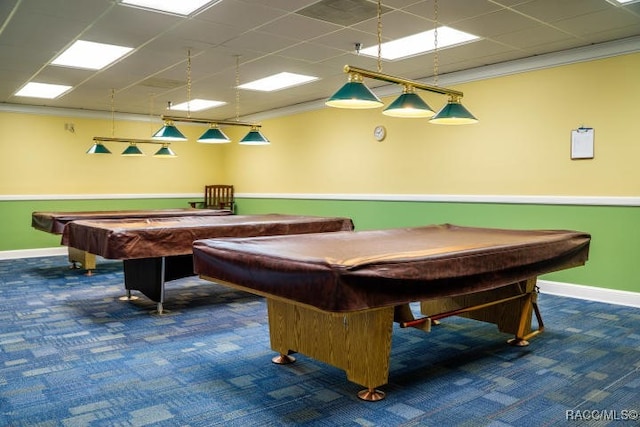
(254, 137)
(209, 121)
(132, 150)
(127, 140)
(400, 80)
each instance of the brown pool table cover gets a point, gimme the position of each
(54, 222)
(350, 271)
(132, 238)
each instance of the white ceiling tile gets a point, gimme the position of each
(557, 46)
(298, 27)
(122, 26)
(78, 10)
(496, 23)
(510, 3)
(612, 34)
(554, 10)
(202, 32)
(269, 36)
(596, 22)
(284, 5)
(395, 24)
(532, 36)
(346, 39)
(310, 52)
(241, 15)
(451, 11)
(257, 41)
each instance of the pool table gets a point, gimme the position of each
(54, 223)
(356, 284)
(157, 250)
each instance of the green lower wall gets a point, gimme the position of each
(615, 247)
(614, 257)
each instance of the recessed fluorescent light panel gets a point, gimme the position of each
(90, 55)
(42, 90)
(419, 44)
(176, 7)
(197, 105)
(277, 82)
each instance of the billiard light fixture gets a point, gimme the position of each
(354, 94)
(132, 149)
(214, 135)
(452, 113)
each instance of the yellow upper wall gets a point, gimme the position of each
(41, 157)
(521, 145)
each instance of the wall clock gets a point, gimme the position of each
(379, 133)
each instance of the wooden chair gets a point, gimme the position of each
(216, 197)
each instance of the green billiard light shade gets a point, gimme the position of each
(132, 151)
(454, 113)
(408, 105)
(98, 148)
(354, 94)
(165, 152)
(169, 132)
(254, 137)
(214, 135)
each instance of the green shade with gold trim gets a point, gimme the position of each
(254, 137)
(214, 135)
(165, 152)
(408, 105)
(132, 151)
(454, 113)
(354, 94)
(169, 132)
(98, 148)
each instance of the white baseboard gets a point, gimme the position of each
(428, 198)
(33, 253)
(455, 198)
(591, 293)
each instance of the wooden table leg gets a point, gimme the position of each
(357, 342)
(87, 259)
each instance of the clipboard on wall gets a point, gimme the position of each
(582, 143)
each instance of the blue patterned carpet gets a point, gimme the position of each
(73, 354)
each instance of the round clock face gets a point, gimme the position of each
(379, 133)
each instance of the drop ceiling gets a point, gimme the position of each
(244, 40)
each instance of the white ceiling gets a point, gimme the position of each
(268, 36)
